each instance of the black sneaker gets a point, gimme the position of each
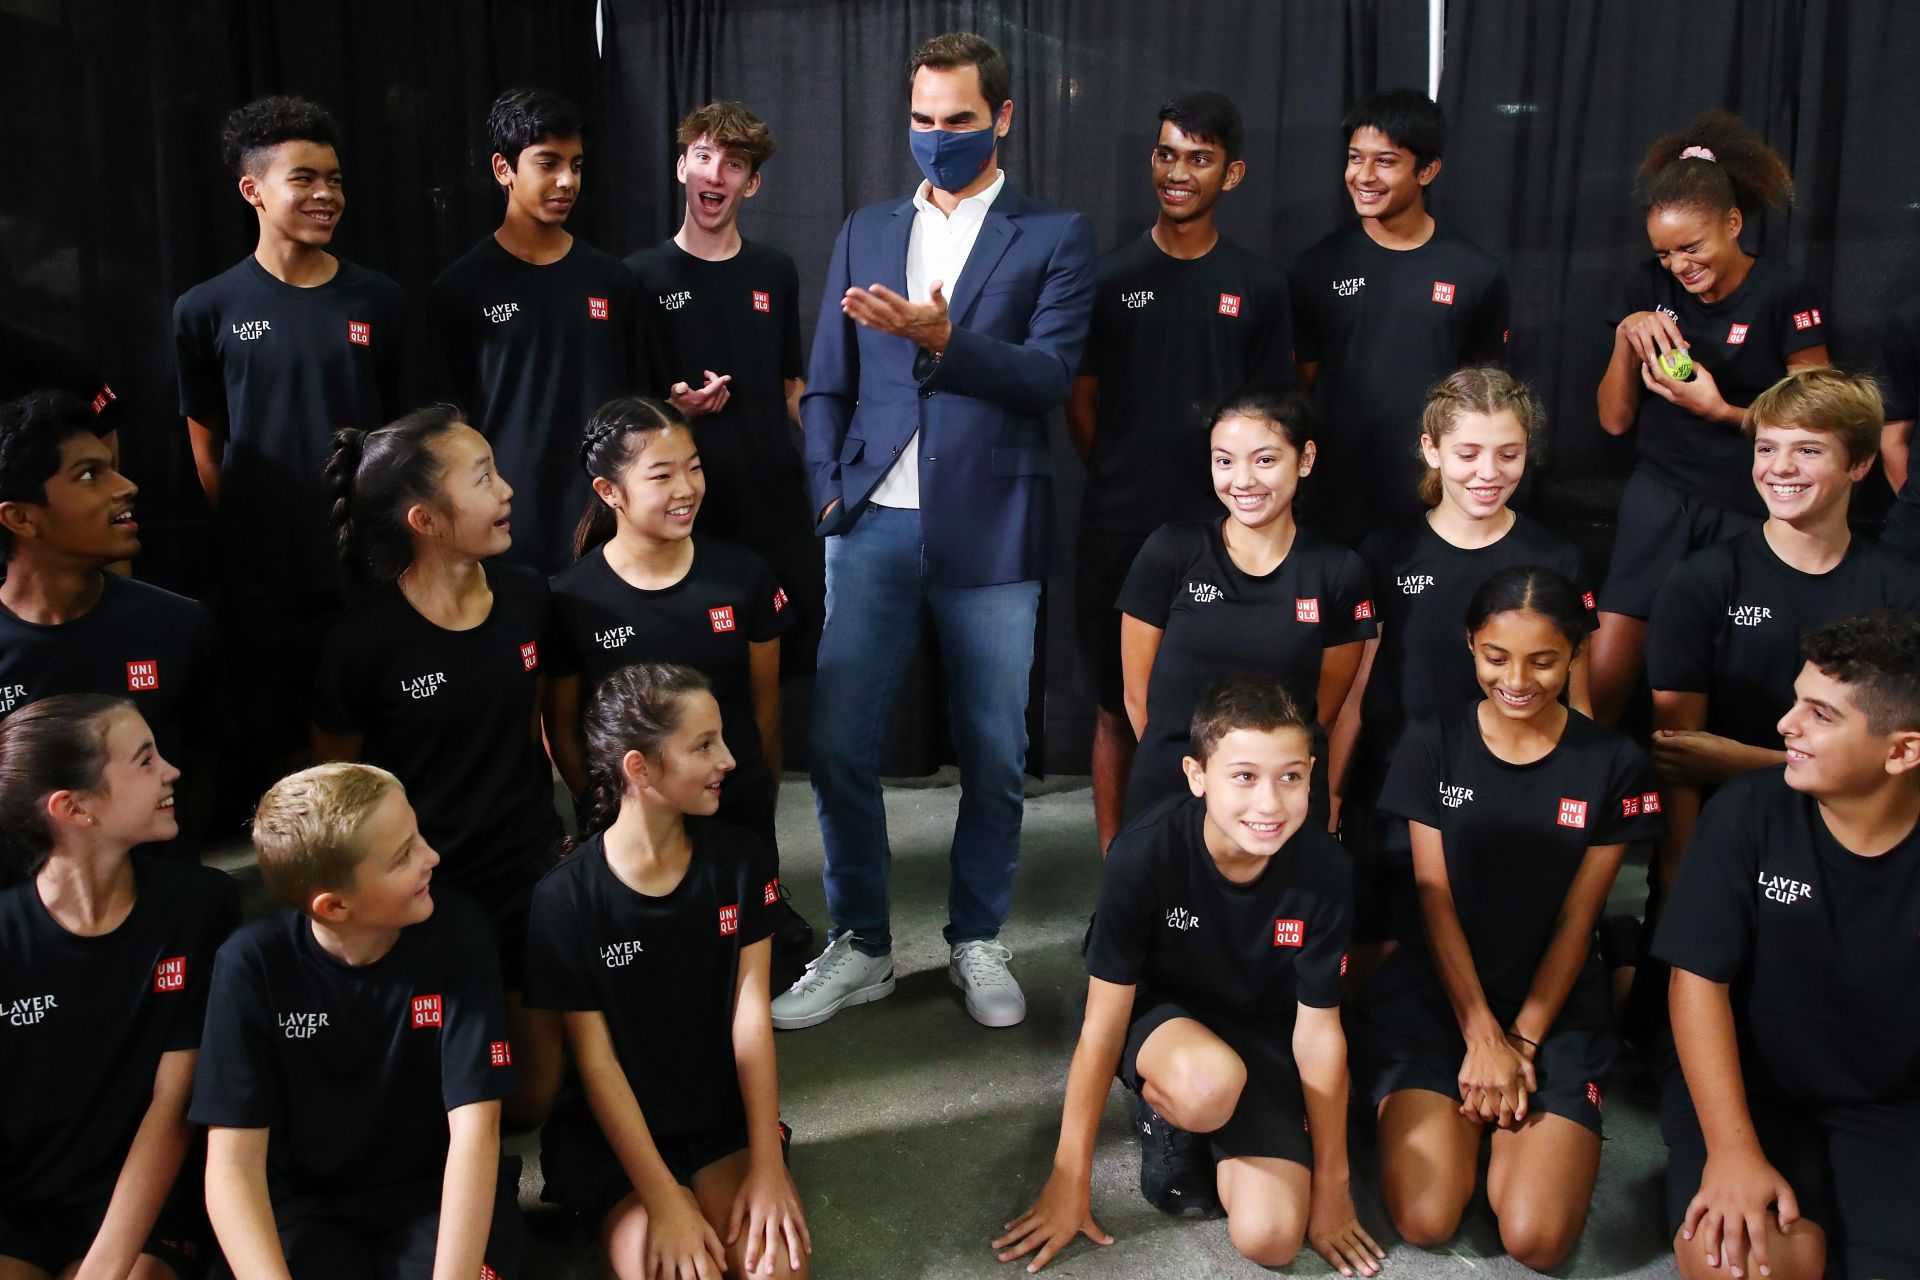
(1176, 1169)
(792, 935)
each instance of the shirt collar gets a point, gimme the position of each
(974, 205)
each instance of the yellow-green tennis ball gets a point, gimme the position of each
(1677, 363)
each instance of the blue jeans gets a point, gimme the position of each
(877, 594)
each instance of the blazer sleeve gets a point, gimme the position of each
(833, 380)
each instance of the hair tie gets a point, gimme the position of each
(592, 442)
(1698, 153)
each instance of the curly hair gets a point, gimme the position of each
(1716, 163)
(1877, 656)
(263, 124)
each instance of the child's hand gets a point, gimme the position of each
(1728, 1214)
(1064, 1210)
(767, 1207)
(1651, 334)
(680, 1244)
(1335, 1232)
(1699, 396)
(1495, 1079)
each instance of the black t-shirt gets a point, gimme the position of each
(1219, 621)
(1900, 383)
(662, 969)
(32, 362)
(708, 620)
(1515, 836)
(1422, 586)
(1384, 325)
(287, 367)
(137, 642)
(1818, 944)
(1170, 924)
(740, 316)
(1728, 624)
(85, 1021)
(530, 352)
(354, 1067)
(1168, 337)
(451, 714)
(1743, 340)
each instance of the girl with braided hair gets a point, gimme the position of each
(434, 674)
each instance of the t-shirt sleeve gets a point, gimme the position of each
(1270, 353)
(1147, 594)
(196, 358)
(236, 1082)
(759, 888)
(768, 612)
(793, 356)
(217, 922)
(557, 976)
(1412, 788)
(1487, 333)
(341, 693)
(1573, 566)
(1798, 317)
(476, 1056)
(1123, 920)
(1308, 341)
(1630, 297)
(1633, 808)
(1900, 364)
(1680, 632)
(1322, 962)
(1707, 925)
(1350, 609)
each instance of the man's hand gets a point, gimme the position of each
(922, 322)
(1063, 1211)
(1334, 1230)
(710, 398)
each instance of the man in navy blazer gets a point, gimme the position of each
(950, 329)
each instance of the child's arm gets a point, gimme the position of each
(767, 1204)
(561, 712)
(763, 662)
(1065, 1206)
(239, 1205)
(153, 1162)
(467, 1189)
(1139, 646)
(677, 1235)
(1334, 1231)
(1572, 944)
(1343, 738)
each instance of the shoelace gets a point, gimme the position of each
(821, 967)
(985, 963)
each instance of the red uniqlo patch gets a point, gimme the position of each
(779, 599)
(488, 1273)
(1289, 933)
(1229, 304)
(142, 676)
(426, 1011)
(729, 919)
(1803, 319)
(1593, 1094)
(1736, 335)
(1650, 802)
(722, 618)
(360, 333)
(597, 308)
(1443, 292)
(1816, 315)
(1306, 610)
(1343, 964)
(1629, 806)
(1363, 611)
(102, 398)
(1586, 598)
(170, 974)
(530, 655)
(771, 894)
(1573, 813)
(500, 1053)
(762, 301)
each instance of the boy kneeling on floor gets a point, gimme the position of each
(1214, 993)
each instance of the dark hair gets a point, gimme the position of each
(633, 709)
(1532, 588)
(1207, 117)
(373, 477)
(263, 124)
(731, 127)
(1408, 117)
(55, 744)
(32, 431)
(1877, 656)
(1242, 702)
(1739, 169)
(519, 118)
(965, 49)
(615, 435)
(1281, 407)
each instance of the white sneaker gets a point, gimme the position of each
(836, 978)
(979, 968)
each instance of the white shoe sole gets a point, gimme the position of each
(864, 995)
(975, 1013)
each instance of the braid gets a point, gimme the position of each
(611, 444)
(343, 469)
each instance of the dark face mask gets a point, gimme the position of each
(952, 160)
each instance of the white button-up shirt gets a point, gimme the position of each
(937, 249)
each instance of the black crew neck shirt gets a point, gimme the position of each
(1900, 383)
(31, 362)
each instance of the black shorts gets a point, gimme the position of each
(1386, 906)
(1853, 1169)
(1656, 528)
(54, 1238)
(1100, 570)
(583, 1174)
(1409, 1039)
(1271, 1118)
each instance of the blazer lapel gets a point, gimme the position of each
(996, 233)
(893, 249)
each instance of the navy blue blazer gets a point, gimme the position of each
(1019, 310)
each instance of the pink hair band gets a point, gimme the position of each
(1697, 153)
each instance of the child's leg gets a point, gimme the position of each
(14, 1269)
(623, 1240)
(714, 1187)
(1190, 1075)
(1540, 1183)
(1801, 1255)
(1428, 1158)
(1266, 1199)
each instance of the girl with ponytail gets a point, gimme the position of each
(1701, 329)
(672, 1145)
(646, 589)
(435, 674)
(106, 954)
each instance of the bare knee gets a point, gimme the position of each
(624, 1237)
(148, 1267)
(1423, 1218)
(1267, 1239)
(1540, 1241)
(1201, 1088)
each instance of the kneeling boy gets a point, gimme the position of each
(1794, 1136)
(356, 1053)
(1215, 960)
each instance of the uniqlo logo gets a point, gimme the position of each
(1816, 315)
(1306, 610)
(426, 1011)
(762, 301)
(500, 1053)
(530, 655)
(170, 974)
(102, 398)
(730, 920)
(597, 308)
(779, 599)
(1229, 304)
(1803, 319)
(1736, 335)
(722, 618)
(1443, 292)
(1650, 802)
(1343, 964)
(1593, 1094)
(1586, 598)
(1629, 806)
(1289, 933)
(1363, 611)
(1573, 813)
(359, 333)
(488, 1273)
(143, 676)
(771, 894)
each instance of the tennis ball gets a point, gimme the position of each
(1678, 364)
